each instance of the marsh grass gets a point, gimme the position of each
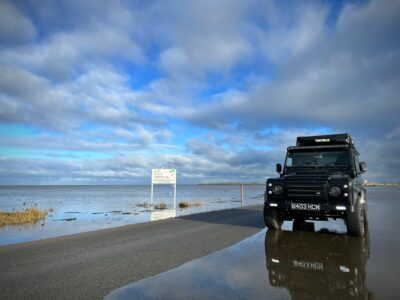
(30, 215)
(187, 204)
(197, 203)
(142, 204)
(160, 205)
(184, 204)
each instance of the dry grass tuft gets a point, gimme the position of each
(30, 215)
(184, 204)
(197, 203)
(160, 205)
(143, 204)
(187, 204)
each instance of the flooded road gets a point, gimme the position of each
(75, 209)
(320, 261)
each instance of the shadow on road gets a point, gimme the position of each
(250, 216)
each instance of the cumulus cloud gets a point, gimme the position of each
(207, 37)
(63, 55)
(329, 80)
(15, 27)
(218, 89)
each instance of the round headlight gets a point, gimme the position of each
(277, 189)
(335, 191)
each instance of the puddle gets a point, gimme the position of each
(237, 272)
(313, 264)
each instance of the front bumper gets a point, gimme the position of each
(325, 210)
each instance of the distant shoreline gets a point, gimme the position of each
(117, 185)
(377, 184)
(369, 184)
(231, 183)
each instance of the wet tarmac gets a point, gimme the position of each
(317, 261)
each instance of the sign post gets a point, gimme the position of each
(163, 176)
(242, 194)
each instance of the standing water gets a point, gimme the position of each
(74, 209)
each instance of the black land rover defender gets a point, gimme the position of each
(321, 179)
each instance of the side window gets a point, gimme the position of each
(357, 162)
(289, 162)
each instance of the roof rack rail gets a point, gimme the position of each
(330, 139)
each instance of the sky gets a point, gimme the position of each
(95, 92)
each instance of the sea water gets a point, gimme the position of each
(74, 209)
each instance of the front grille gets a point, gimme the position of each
(307, 189)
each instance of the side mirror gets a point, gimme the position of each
(363, 167)
(279, 168)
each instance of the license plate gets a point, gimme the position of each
(306, 206)
(310, 265)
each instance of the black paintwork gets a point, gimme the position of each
(311, 184)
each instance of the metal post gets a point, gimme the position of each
(242, 194)
(175, 196)
(151, 197)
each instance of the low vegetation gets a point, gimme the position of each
(160, 205)
(68, 219)
(142, 204)
(184, 204)
(30, 215)
(187, 204)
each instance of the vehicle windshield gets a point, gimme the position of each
(317, 159)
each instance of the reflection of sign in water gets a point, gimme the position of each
(163, 176)
(162, 214)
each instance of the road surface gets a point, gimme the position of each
(90, 265)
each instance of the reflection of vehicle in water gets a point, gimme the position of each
(318, 265)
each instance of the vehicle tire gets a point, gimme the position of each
(272, 219)
(298, 224)
(355, 221)
(365, 210)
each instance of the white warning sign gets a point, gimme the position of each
(163, 176)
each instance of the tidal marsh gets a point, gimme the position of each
(160, 205)
(187, 204)
(29, 215)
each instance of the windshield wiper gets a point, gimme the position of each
(306, 163)
(337, 164)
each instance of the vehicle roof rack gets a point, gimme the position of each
(330, 139)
